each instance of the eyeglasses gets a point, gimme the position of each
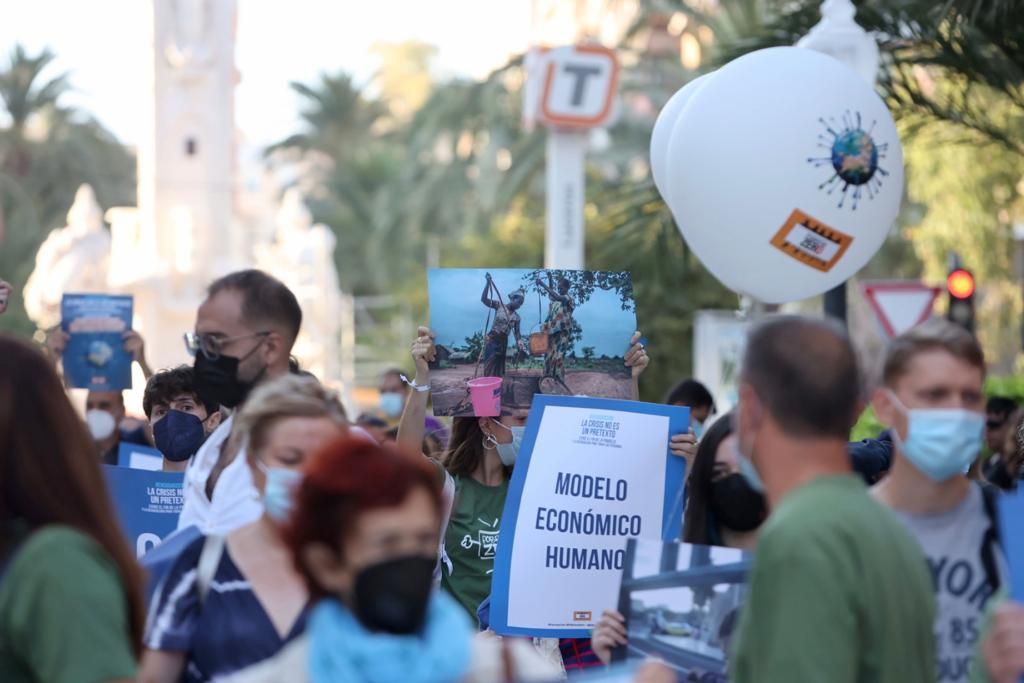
(213, 346)
(995, 424)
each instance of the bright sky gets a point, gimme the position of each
(102, 43)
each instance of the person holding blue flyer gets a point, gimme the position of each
(839, 591)
(71, 607)
(932, 396)
(104, 414)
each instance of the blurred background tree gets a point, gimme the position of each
(46, 151)
(414, 171)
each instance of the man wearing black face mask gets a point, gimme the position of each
(180, 420)
(244, 335)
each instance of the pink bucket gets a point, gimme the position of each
(485, 393)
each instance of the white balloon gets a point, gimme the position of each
(785, 173)
(663, 126)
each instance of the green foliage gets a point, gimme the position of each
(867, 427)
(474, 345)
(46, 151)
(582, 284)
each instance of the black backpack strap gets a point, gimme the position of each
(992, 537)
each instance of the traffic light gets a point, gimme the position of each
(960, 288)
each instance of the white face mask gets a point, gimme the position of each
(101, 424)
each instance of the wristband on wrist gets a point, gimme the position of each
(420, 388)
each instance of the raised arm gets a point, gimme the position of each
(484, 298)
(637, 361)
(412, 426)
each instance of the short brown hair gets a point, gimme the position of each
(265, 300)
(805, 372)
(933, 335)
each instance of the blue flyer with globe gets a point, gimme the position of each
(94, 357)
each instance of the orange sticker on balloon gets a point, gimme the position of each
(811, 242)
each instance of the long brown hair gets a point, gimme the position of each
(699, 525)
(466, 448)
(49, 471)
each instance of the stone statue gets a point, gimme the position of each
(190, 48)
(302, 256)
(72, 259)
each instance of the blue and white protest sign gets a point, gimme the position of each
(148, 503)
(591, 474)
(139, 457)
(94, 357)
(1011, 512)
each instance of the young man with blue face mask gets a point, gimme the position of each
(180, 420)
(932, 397)
(839, 591)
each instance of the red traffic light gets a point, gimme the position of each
(960, 284)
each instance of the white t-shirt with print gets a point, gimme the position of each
(952, 542)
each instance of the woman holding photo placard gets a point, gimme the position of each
(476, 469)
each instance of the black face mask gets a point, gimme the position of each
(736, 505)
(217, 381)
(393, 596)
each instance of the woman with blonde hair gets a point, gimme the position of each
(230, 602)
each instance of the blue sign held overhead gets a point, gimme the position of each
(94, 357)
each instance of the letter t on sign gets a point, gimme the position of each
(578, 94)
(581, 72)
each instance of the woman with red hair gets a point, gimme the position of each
(364, 535)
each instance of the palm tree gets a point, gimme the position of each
(46, 151)
(945, 61)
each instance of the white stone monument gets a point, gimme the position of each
(71, 259)
(190, 226)
(302, 256)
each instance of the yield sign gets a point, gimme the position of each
(900, 305)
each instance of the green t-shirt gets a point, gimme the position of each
(63, 613)
(839, 592)
(471, 542)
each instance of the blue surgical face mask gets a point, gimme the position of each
(698, 428)
(509, 452)
(279, 492)
(940, 443)
(178, 435)
(392, 403)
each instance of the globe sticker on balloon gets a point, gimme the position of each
(853, 157)
(784, 173)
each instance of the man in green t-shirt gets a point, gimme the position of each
(838, 591)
